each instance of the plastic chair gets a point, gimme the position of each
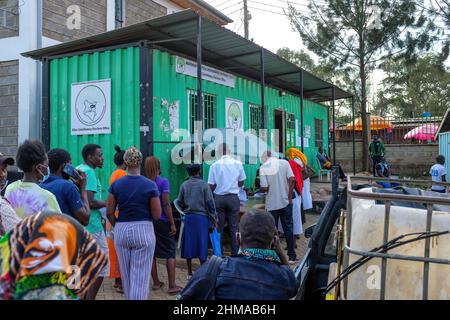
(214, 237)
(323, 171)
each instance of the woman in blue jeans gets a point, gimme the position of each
(134, 237)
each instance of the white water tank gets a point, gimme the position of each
(404, 279)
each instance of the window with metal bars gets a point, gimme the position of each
(209, 110)
(318, 132)
(255, 118)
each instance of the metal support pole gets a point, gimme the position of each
(46, 103)
(328, 130)
(263, 85)
(199, 111)
(302, 97)
(353, 136)
(146, 94)
(199, 72)
(333, 91)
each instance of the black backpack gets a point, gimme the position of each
(205, 288)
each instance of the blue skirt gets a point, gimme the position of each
(194, 244)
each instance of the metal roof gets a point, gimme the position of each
(445, 124)
(221, 48)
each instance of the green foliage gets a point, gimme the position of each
(411, 89)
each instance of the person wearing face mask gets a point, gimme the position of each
(8, 217)
(25, 196)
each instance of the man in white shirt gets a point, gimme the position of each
(439, 174)
(278, 180)
(226, 177)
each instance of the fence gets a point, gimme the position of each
(394, 130)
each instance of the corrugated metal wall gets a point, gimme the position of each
(122, 67)
(172, 87)
(444, 148)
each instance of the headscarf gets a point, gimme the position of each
(133, 157)
(294, 153)
(48, 257)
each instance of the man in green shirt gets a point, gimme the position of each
(376, 150)
(93, 159)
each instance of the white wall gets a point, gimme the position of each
(171, 7)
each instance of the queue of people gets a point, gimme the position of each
(135, 225)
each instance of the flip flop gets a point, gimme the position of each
(158, 287)
(120, 290)
(174, 291)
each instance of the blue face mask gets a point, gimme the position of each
(45, 177)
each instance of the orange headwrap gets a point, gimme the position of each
(294, 153)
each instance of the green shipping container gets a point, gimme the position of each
(122, 67)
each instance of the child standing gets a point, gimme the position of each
(438, 174)
(197, 201)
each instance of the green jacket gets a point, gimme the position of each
(374, 152)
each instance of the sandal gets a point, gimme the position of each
(120, 290)
(174, 291)
(158, 287)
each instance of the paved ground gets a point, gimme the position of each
(107, 292)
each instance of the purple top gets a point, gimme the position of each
(163, 187)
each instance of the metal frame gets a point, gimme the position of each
(263, 88)
(302, 97)
(146, 97)
(353, 136)
(387, 199)
(199, 72)
(333, 102)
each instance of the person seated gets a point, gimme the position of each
(382, 170)
(325, 163)
(259, 272)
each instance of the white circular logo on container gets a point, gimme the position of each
(235, 116)
(90, 105)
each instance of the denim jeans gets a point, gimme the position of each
(285, 215)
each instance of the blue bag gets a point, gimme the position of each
(215, 241)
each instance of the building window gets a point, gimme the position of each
(209, 110)
(120, 13)
(9, 15)
(318, 130)
(255, 118)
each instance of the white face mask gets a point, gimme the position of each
(299, 162)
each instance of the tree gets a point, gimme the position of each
(411, 89)
(358, 34)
